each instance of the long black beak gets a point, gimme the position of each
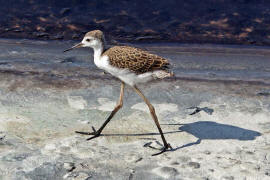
(73, 47)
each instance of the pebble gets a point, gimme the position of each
(194, 165)
(69, 166)
(207, 152)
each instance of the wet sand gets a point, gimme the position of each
(46, 95)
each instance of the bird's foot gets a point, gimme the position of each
(94, 133)
(164, 149)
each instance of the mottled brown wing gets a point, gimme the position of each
(135, 59)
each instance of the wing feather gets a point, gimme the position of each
(135, 59)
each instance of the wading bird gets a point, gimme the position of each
(131, 66)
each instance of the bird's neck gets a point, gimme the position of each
(98, 50)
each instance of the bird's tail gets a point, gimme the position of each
(163, 74)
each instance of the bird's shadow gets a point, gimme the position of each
(213, 131)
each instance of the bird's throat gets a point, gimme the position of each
(98, 50)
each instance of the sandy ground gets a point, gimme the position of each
(45, 96)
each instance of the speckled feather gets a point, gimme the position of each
(135, 59)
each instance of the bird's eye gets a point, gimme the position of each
(88, 40)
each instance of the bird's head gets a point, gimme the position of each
(92, 39)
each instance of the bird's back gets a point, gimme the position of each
(136, 60)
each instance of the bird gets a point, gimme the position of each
(132, 66)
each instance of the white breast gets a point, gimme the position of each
(125, 75)
(101, 62)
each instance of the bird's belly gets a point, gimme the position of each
(124, 75)
(128, 76)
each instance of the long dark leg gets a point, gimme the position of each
(154, 116)
(117, 107)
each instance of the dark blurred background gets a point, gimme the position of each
(188, 21)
